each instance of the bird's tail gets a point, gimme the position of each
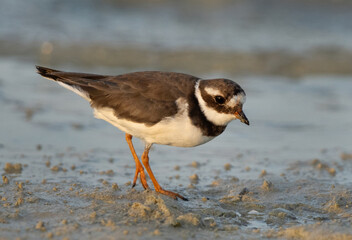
(48, 73)
(65, 80)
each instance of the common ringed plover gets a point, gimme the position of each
(158, 107)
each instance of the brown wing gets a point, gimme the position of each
(145, 97)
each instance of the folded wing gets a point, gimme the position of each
(144, 97)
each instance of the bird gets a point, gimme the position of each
(166, 108)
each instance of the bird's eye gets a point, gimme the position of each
(220, 99)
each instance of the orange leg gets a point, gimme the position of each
(145, 161)
(139, 166)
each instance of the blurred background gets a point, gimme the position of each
(293, 58)
(290, 38)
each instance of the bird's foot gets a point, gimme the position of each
(171, 194)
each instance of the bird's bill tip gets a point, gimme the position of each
(242, 117)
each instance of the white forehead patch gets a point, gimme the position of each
(235, 100)
(212, 91)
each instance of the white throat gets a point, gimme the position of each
(219, 119)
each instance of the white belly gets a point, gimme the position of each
(177, 131)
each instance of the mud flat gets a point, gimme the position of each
(303, 202)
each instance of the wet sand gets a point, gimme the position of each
(66, 175)
(329, 60)
(52, 199)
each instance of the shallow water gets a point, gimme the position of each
(225, 25)
(53, 134)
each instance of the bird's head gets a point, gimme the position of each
(221, 101)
